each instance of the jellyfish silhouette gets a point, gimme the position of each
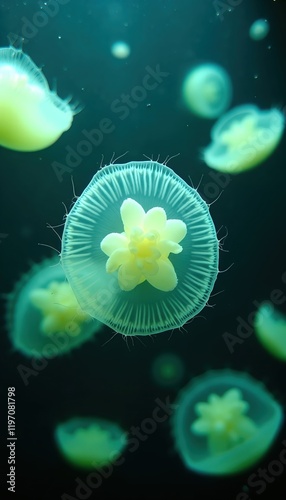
(207, 90)
(90, 443)
(139, 249)
(43, 316)
(32, 117)
(270, 328)
(259, 29)
(243, 138)
(225, 421)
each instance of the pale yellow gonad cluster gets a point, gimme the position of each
(141, 252)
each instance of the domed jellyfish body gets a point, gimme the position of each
(270, 328)
(243, 138)
(90, 443)
(120, 50)
(168, 369)
(225, 422)
(43, 316)
(259, 29)
(139, 249)
(31, 116)
(207, 90)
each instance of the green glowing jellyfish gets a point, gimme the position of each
(270, 328)
(259, 29)
(31, 116)
(207, 90)
(225, 422)
(243, 138)
(168, 369)
(90, 443)
(43, 316)
(139, 249)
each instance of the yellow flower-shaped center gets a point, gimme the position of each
(141, 252)
(60, 309)
(223, 421)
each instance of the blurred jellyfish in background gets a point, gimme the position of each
(32, 117)
(43, 316)
(207, 90)
(259, 29)
(90, 443)
(270, 329)
(243, 138)
(168, 369)
(225, 422)
(139, 249)
(120, 50)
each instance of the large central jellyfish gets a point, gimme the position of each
(140, 249)
(32, 117)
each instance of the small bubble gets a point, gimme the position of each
(269, 47)
(148, 105)
(255, 77)
(59, 37)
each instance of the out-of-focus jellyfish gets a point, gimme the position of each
(43, 316)
(120, 50)
(32, 117)
(139, 249)
(90, 443)
(270, 328)
(168, 369)
(259, 29)
(243, 138)
(225, 421)
(207, 90)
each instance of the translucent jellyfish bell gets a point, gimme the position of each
(43, 316)
(243, 138)
(270, 328)
(90, 443)
(207, 90)
(259, 29)
(225, 422)
(120, 50)
(139, 249)
(31, 116)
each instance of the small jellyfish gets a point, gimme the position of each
(90, 443)
(207, 90)
(120, 50)
(43, 316)
(243, 138)
(32, 117)
(270, 328)
(225, 422)
(259, 29)
(168, 369)
(139, 249)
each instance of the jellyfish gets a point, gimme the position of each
(168, 369)
(207, 90)
(43, 316)
(259, 29)
(120, 50)
(225, 422)
(32, 117)
(90, 443)
(243, 138)
(270, 329)
(139, 249)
